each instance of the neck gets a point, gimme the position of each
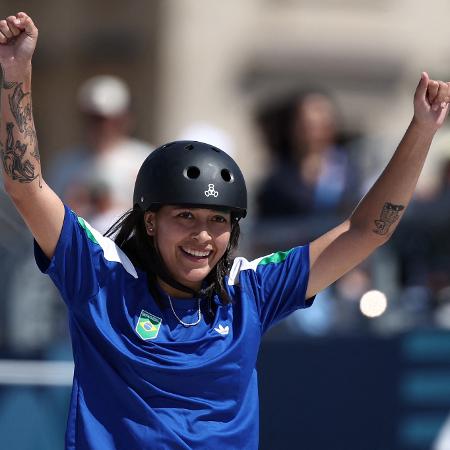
(173, 292)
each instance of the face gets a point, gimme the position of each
(190, 240)
(315, 120)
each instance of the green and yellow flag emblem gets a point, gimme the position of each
(148, 325)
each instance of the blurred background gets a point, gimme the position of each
(311, 98)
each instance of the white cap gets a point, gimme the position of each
(104, 95)
(206, 132)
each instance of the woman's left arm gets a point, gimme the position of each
(378, 213)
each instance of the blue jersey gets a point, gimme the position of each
(142, 380)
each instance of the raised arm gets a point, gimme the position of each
(377, 215)
(39, 206)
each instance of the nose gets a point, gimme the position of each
(202, 235)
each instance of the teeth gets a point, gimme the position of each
(196, 252)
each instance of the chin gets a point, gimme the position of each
(195, 276)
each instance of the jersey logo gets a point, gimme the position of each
(148, 326)
(222, 330)
(211, 191)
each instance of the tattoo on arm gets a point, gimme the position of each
(389, 215)
(15, 163)
(18, 155)
(20, 113)
(3, 83)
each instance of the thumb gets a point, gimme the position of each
(422, 87)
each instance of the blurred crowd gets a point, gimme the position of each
(315, 176)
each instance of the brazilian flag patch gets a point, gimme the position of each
(148, 326)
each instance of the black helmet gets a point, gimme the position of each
(190, 173)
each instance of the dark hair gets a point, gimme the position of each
(130, 235)
(277, 119)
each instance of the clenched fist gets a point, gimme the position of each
(431, 102)
(18, 37)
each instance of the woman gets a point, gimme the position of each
(312, 173)
(165, 329)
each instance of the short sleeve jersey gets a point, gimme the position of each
(142, 380)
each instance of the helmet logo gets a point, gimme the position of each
(211, 191)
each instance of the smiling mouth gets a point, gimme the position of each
(196, 253)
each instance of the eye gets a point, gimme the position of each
(185, 215)
(220, 219)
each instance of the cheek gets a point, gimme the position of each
(222, 243)
(165, 240)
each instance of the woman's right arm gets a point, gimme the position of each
(40, 207)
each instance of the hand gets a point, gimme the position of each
(18, 37)
(431, 102)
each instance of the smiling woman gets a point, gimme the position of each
(165, 326)
(178, 233)
(191, 242)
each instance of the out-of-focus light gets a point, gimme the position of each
(373, 304)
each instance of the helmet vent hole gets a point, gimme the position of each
(189, 147)
(192, 172)
(215, 149)
(226, 175)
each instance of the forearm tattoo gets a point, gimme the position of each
(15, 162)
(20, 153)
(389, 215)
(21, 114)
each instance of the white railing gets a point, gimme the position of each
(36, 373)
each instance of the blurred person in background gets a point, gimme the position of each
(311, 171)
(144, 379)
(96, 177)
(312, 176)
